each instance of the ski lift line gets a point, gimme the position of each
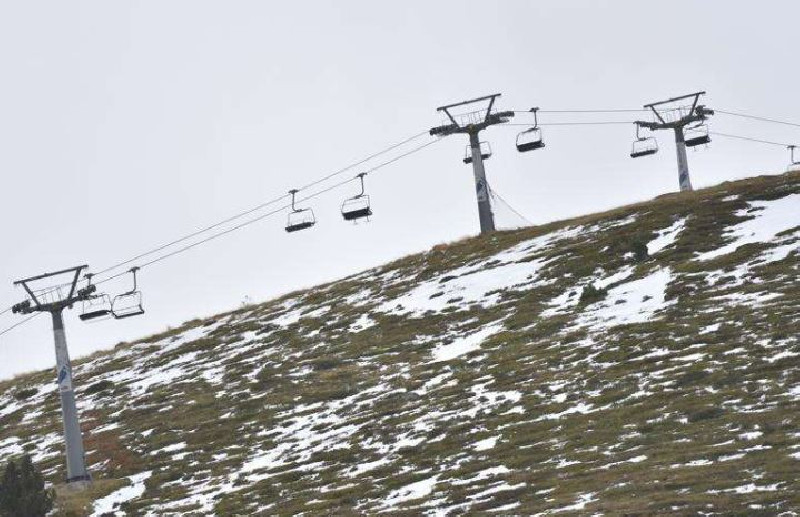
(261, 217)
(609, 122)
(363, 161)
(755, 117)
(749, 139)
(19, 323)
(251, 221)
(588, 111)
(260, 206)
(229, 230)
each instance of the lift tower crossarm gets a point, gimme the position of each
(68, 301)
(473, 128)
(696, 95)
(697, 113)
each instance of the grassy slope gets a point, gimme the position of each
(639, 434)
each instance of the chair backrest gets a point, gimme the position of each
(96, 308)
(127, 304)
(305, 215)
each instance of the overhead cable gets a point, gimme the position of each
(19, 323)
(768, 142)
(258, 207)
(755, 117)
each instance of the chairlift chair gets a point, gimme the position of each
(96, 307)
(531, 138)
(129, 303)
(299, 218)
(486, 152)
(358, 206)
(643, 145)
(697, 135)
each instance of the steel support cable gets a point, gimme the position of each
(507, 204)
(755, 117)
(749, 139)
(267, 214)
(587, 111)
(249, 211)
(258, 207)
(604, 123)
(19, 323)
(242, 225)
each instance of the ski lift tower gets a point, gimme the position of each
(472, 123)
(54, 300)
(677, 113)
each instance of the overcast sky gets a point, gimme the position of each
(127, 124)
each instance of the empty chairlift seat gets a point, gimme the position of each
(697, 135)
(358, 206)
(486, 152)
(299, 218)
(129, 303)
(644, 147)
(530, 140)
(96, 308)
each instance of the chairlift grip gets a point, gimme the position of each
(361, 177)
(133, 271)
(293, 192)
(535, 110)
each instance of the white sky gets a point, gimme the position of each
(127, 124)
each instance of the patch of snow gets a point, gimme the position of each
(108, 503)
(481, 282)
(469, 285)
(666, 237)
(779, 252)
(752, 487)
(580, 504)
(619, 276)
(171, 448)
(731, 457)
(433, 382)
(636, 301)
(485, 445)
(771, 218)
(690, 358)
(561, 303)
(751, 435)
(366, 467)
(412, 491)
(465, 344)
(362, 323)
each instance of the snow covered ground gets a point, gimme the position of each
(486, 387)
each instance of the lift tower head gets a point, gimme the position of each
(472, 123)
(54, 300)
(676, 114)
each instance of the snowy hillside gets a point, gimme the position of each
(641, 361)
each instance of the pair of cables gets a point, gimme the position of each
(221, 228)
